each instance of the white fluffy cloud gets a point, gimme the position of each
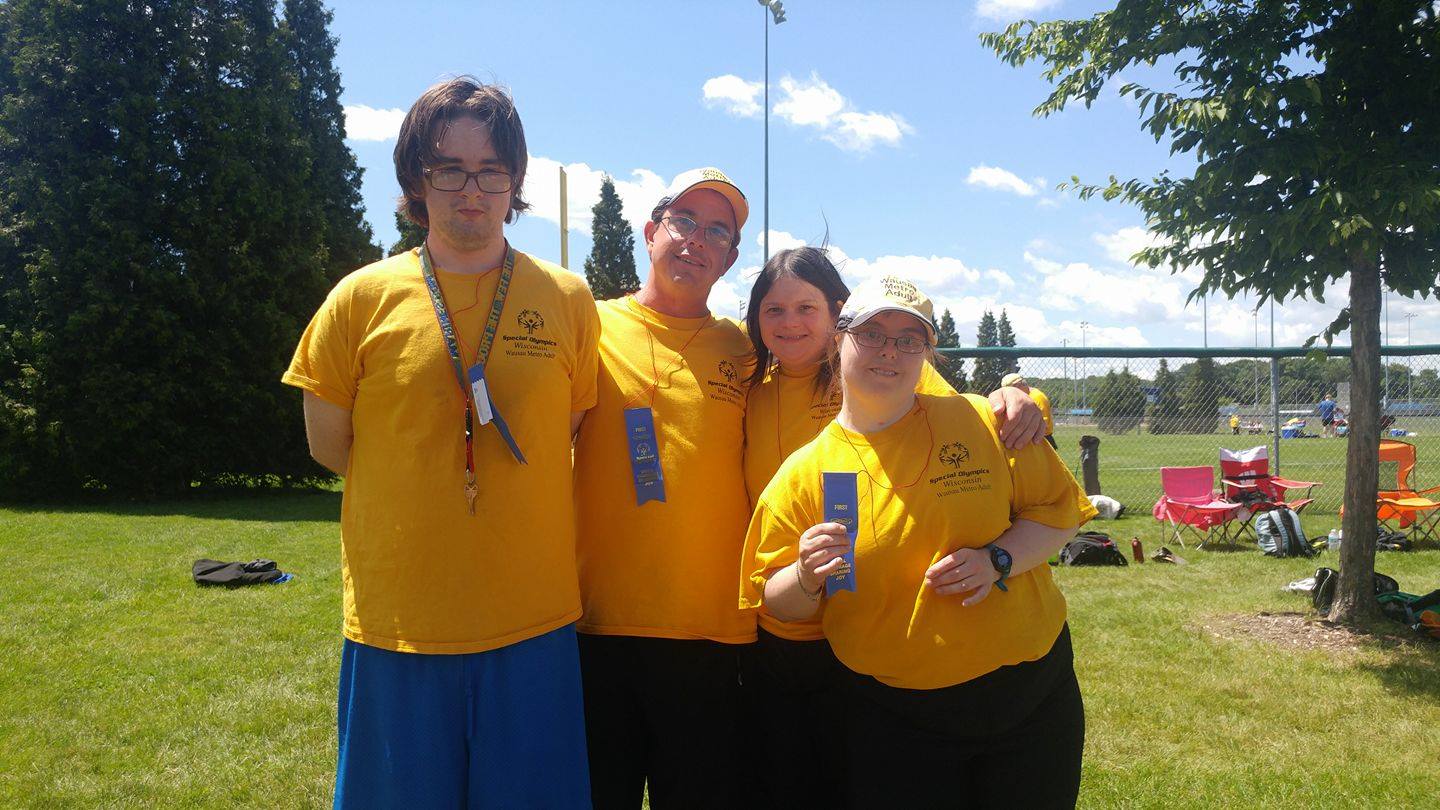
(809, 103)
(734, 95)
(638, 193)
(364, 123)
(1007, 10)
(1003, 180)
(1135, 295)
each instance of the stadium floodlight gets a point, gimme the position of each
(777, 13)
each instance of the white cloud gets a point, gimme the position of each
(638, 193)
(1137, 296)
(779, 240)
(364, 123)
(1001, 278)
(1007, 10)
(859, 131)
(812, 104)
(734, 95)
(1002, 180)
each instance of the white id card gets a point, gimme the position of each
(478, 389)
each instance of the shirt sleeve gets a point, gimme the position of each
(772, 541)
(1044, 491)
(325, 361)
(584, 389)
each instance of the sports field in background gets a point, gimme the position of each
(1130, 463)
(124, 685)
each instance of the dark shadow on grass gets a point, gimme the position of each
(1411, 669)
(261, 505)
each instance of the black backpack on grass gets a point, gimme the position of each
(1323, 596)
(1092, 548)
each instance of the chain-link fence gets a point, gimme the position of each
(1153, 408)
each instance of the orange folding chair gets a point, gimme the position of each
(1188, 504)
(1404, 506)
(1247, 479)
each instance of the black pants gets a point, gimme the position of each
(664, 711)
(1011, 738)
(795, 698)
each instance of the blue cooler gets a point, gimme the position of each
(1290, 433)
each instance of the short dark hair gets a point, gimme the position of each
(810, 265)
(425, 125)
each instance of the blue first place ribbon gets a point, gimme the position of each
(644, 455)
(842, 506)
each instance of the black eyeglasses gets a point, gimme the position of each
(682, 227)
(489, 181)
(874, 339)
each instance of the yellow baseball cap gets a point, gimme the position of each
(713, 179)
(886, 293)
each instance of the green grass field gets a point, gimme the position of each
(124, 685)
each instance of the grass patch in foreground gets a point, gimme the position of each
(125, 685)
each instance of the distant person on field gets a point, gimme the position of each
(1017, 381)
(1327, 415)
(445, 384)
(1235, 424)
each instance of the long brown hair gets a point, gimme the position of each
(424, 127)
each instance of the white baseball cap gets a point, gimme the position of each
(886, 293)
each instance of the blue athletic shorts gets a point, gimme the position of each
(502, 728)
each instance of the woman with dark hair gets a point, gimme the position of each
(792, 672)
(923, 539)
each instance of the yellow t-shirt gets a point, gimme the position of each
(665, 570)
(783, 413)
(967, 489)
(1044, 404)
(420, 573)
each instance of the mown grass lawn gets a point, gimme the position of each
(125, 685)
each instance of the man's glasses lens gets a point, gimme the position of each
(877, 340)
(490, 182)
(684, 226)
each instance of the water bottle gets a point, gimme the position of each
(1333, 541)
(1137, 550)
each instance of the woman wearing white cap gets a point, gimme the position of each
(791, 670)
(959, 684)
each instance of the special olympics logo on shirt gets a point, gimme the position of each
(954, 453)
(530, 320)
(727, 370)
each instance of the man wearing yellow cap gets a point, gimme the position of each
(662, 510)
(1016, 381)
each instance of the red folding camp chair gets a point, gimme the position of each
(1188, 504)
(1248, 482)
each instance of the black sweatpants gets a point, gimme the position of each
(663, 711)
(794, 697)
(1010, 738)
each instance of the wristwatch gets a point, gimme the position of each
(1000, 558)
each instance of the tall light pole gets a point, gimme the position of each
(1084, 325)
(1205, 321)
(776, 11)
(1385, 393)
(1409, 369)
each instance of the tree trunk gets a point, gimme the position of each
(1355, 590)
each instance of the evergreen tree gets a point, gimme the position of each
(1120, 402)
(334, 176)
(610, 268)
(167, 268)
(988, 370)
(950, 367)
(1200, 403)
(411, 235)
(1004, 333)
(1165, 414)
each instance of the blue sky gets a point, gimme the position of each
(889, 122)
